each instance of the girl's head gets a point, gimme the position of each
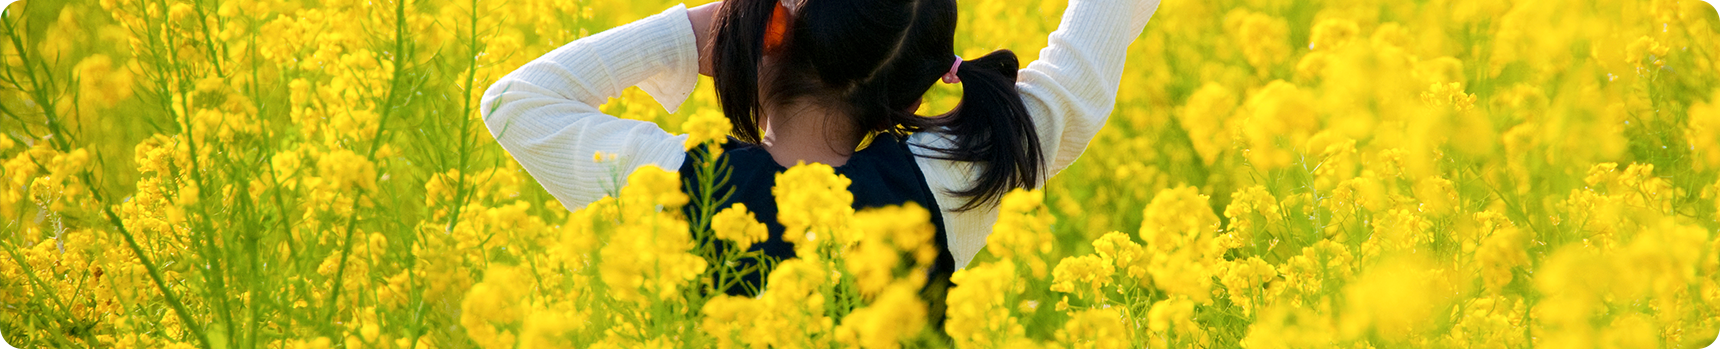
(871, 61)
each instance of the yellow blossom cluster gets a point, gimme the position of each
(822, 216)
(1275, 174)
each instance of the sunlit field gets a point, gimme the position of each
(222, 174)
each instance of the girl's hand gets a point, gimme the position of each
(702, 16)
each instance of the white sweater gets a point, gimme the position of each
(546, 113)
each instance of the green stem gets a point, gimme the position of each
(191, 324)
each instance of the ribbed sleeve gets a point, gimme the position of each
(1070, 92)
(545, 114)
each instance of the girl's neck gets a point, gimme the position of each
(804, 132)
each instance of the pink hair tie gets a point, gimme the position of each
(950, 77)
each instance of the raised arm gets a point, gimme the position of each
(1072, 88)
(1069, 91)
(546, 113)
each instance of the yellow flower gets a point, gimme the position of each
(1095, 329)
(789, 313)
(1491, 320)
(548, 326)
(1574, 281)
(1401, 229)
(1243, 279)
(1122, 253)
(318, 343)
(1276, 118)
(1178, 227)
(1501, 251)
(491, 305)
(1085, 276)
(651, 185)
(977, 316)
(888, 233)
(1206, 118)
(897, 315)
(1646, 50)
(1449, 94)
(1313, 65)
(100, 81)
(726, 319)
(1337, 157)
(1285, 326)
(648, 254)
(1264, 40)
(1177, 311)
(1441, 70)
(905, 227)
(1182, 273)
(1390, 35)
(1666, 256)
(1022, 232)
(1309, 271)
(347, 170)
(1177, 218)
(1332, 33)
(1438, 196)
(815, 207)
(706, 125)
(1703, 132)
(800, 279)
(62, 38)
(1396, 300)
(1249, 211)
(737, 225)
(647, 259)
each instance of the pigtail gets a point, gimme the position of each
(991, 127)
(738, 48)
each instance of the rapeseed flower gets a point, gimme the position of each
(737, 225)
(815, 207)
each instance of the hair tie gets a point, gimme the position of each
(950, 77)
(776, 28)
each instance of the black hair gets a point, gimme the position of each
(880, 56)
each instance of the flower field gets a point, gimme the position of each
(291, 174)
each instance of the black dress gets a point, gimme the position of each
(882, 174)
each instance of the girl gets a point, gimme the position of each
(833, 82)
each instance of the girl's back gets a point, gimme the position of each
(881, 174)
